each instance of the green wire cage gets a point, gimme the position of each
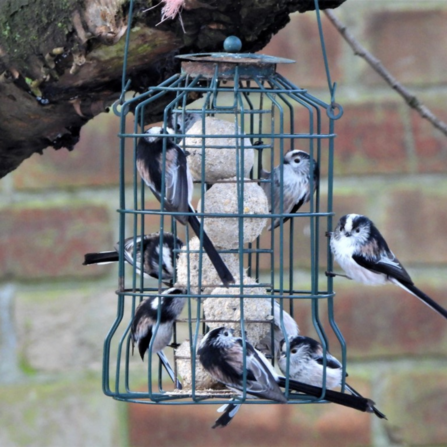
(247, 118)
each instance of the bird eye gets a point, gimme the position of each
(297, 160)
(226, 333)
(357, 230)
(294, 351)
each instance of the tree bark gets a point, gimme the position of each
(61, 60)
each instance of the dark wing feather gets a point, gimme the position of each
(390, 267)
(331, 362)
(296, 207)
(141, 332)
(265, 384)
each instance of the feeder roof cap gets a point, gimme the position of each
(235, 58)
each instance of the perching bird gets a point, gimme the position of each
(151, 255)
(363, 254)
(291, 330)
(221, 354)
(265, 347)
(144, 325)
(295, 191)
(178, 185)
(182, 122)
(306, 357)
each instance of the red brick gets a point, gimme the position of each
(416, 403)
(410, 44)
(430, 143)
(343, 204)
(302, 124)
(414, 226)
(386, 321)
(93, 162)
(51, 242)
(300, 246)
(370, 140)
(300, 41)
(261, 425)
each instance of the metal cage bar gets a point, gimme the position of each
(250, 103)
(265, 109)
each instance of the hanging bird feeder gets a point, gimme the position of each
(235, 119)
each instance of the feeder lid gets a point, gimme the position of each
(226, 65)
(235, 58)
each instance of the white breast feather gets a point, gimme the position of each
(343, 249)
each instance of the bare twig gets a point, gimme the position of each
(410, 99)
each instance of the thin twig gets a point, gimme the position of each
(410, 99)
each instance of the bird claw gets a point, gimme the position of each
(333, 275)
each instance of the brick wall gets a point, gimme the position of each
(390, 165)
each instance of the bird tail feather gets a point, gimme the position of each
(378, 413)
(105, 257)
(347, 400)
(423, 297)
(164, 360)
(229, 411)
(220, 266)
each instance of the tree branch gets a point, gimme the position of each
(409, 97)
(61, 61)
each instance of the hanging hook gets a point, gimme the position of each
(125, 83)
(323, 49)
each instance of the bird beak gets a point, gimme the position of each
(328, 233)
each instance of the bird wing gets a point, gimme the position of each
(260, 381)
(387, 264)
(331, 361)
(298, 205)
(141, 332)
(264, 384)
(129, 249)
(176, 180)
(289, 199)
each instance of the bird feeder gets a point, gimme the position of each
(246, 117)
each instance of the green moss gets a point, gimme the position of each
(39, 21)
(26, 367)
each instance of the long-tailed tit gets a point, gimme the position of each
(295, 191)
(290, 330)
(144, 329)
(306, 359)
(363, 254)
(182, 122)
(222, 354)
(149, 249)
(178, 187)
